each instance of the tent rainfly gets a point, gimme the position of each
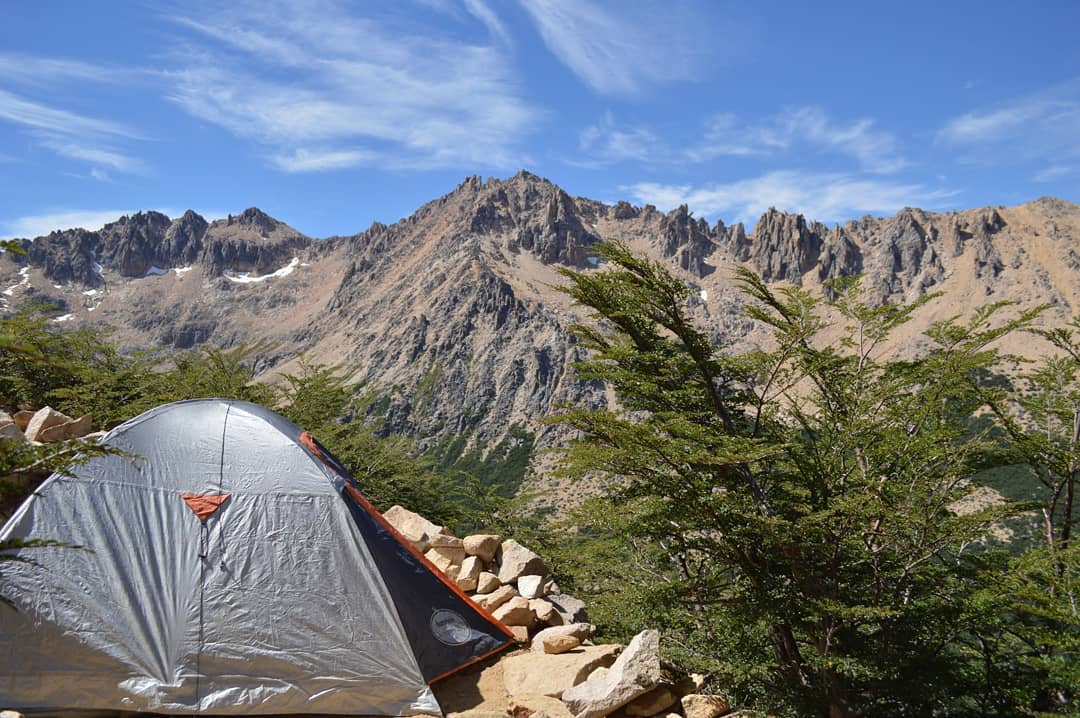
(228, 564)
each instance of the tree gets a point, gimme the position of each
(785, 513)
(389, 470)
(1042, 430)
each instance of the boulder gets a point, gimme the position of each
(448, 554)
(22, 419)
(412, 524)
(532, 673)
(416, 537)
(559, 644)
(469, 573)
(521, 633)
(531, 586)
(697, 705)
(486, 582)
(43, 419)
(600, 672)
(444, 541)
(516, 560)
(441, 560)
(634, 673)
(652, 703)
(572, 610)
(581, 631)
(495, 599)
(483, 545)
(530, 705)
(515, 612)
(9, 430)
(545, 612)
(17, 714)
(74, 429)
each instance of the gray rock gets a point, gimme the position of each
(43, 419)
(581, 631)
(483, 545)
(515, 560)
(697, 705)
(634, 673)
(530, 586)
(487, 582)
(539, 673)
(73, 429)
(571, 609)
(515, 612)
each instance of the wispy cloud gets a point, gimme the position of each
(68, 134)
(97, 156)
(303, 160)
(606, 142)
(1044, 125)
(619, 49)
(42, 117)
(34, 70)
(483, 12)
(36, 225)
(1053, 173)
(802, 129)
(320, 89)
(829, 197)
(875, 150)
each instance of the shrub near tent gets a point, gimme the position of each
(232, 567)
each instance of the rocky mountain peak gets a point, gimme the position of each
(68, 255)
(252, 241)
(132, 244)
(256, 219)
(687, 239)
(785, 246)
(183, 239)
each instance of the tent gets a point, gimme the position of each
(228, 564)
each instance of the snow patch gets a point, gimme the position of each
(92, 292)
(246, 278)
(25, 274)
(705, 295)
(97, 269)
(155, 271)
(63, 317)
(181, 270)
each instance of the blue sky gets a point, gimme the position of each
(330, 115)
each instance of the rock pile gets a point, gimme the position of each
(44, 426)
(503, 577)
(561, 673)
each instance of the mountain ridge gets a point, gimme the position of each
(452, 311)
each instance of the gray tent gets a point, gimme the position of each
(232, 566)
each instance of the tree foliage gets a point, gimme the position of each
(785, 513)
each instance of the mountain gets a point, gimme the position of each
(453, 312)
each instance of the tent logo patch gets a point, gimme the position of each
(449, 627)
